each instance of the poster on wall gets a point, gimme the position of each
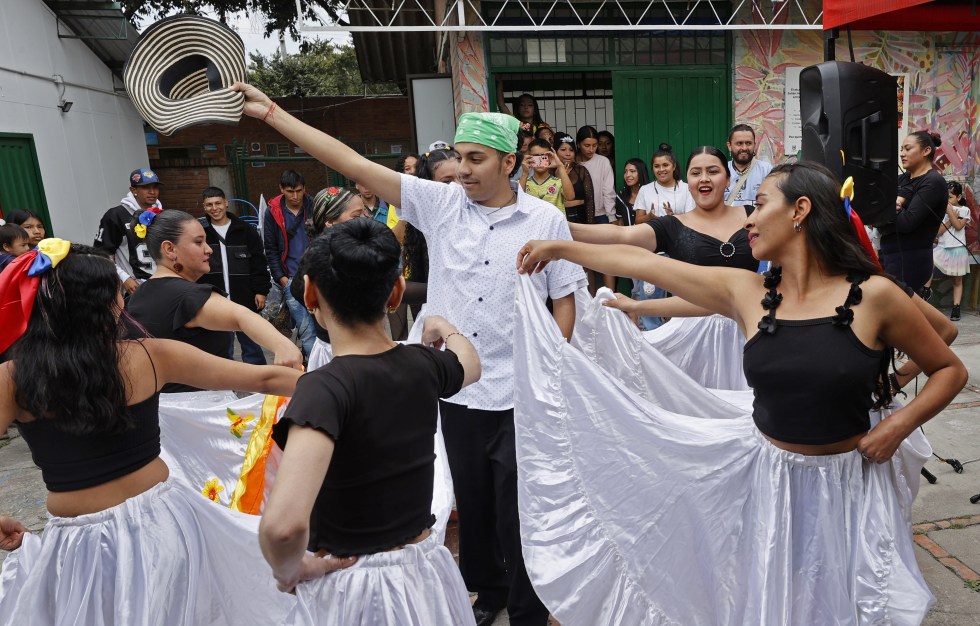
(792, 122)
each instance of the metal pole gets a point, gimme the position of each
(830, 44)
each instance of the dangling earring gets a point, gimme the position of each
(798, 227)
(313, 310)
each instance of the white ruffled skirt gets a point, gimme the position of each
(708, 349)
(640, 505)
(418, 585)
(167, 557)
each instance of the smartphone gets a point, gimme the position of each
(540, 160)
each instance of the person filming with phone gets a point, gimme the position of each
(545, 175)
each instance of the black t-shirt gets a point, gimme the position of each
(163, 305)
(380, 410)
(685, 244)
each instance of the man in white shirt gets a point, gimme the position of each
(747, 172)
(474, 230)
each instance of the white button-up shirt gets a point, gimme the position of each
(473, 275)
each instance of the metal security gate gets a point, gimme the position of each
(20, 177)
(685, 107)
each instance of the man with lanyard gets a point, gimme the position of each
(238, 265)
(285, 241)
(130, 254)
(747, 172)
(474, 230)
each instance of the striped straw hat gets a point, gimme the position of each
(179, 72)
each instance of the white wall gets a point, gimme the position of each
(85, 155)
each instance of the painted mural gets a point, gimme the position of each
(943, 95)
(469, 66)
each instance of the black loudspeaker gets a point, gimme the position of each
(852, 109)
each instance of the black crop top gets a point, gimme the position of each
(70, 462)
(813, 379)
(686, 244)
(380, 410)
(164, 305)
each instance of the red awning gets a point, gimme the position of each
(923, 15)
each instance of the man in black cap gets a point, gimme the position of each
(116, 236)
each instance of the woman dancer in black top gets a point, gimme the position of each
(906, 244)
(708, 349)
(172, 305)
(369, 416)
(818, 356)
(124, 543)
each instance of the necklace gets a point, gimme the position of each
(504, 206)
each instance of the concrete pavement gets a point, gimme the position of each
(947, 525)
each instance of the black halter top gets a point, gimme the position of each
(813, 379)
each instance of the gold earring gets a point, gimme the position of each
(313, 310)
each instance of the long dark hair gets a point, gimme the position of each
(536, 116)
(831, 237)
(354, 265)
(66, 365)
(828, 231)
(167, 226)
(643, 175)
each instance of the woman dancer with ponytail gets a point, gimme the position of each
(794, 501)
(173, 305)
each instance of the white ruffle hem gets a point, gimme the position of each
(167, 557)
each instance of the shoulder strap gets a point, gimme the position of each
(740, 185)
(156, 386)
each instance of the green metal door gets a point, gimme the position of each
(20, 177)
(686, 107)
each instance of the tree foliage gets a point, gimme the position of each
(320, 69)
(280, 15)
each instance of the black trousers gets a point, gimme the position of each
(480, 447)
(913, 267)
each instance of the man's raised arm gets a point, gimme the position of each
(334, 154)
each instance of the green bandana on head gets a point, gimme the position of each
(494, 130)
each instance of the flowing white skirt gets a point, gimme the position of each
(634, 513)
(708, 349)
(418, 585)
(216, 439)
(166, 557)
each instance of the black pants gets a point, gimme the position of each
(480, 447)
(913, 267)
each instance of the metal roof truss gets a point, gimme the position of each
(385, 16)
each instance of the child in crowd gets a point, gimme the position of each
(15, 242)
(540, 166)
(950, 254)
